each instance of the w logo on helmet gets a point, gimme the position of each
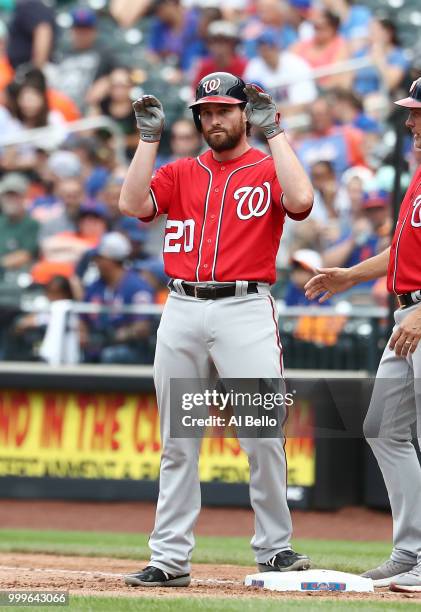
(211, 85)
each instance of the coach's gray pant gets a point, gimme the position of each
(237, 336)
(395, 407)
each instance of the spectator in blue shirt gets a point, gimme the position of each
(390, 61)
(368, 233)
(355, 20)
(348, 109)
(116, 337)
(342, 145)
(271, 14)
(304, 264)
(175, 34)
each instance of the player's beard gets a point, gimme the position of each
(226, 139)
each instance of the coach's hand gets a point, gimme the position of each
(261, 111)
(328, 282)
(406, 337)
(150, 118)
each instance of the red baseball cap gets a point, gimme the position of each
(376, 199)
(414, 98)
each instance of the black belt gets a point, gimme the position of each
(409, 299)
(212, 292)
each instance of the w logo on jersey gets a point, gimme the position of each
(252, 201)
(211, 85)
(416, 217)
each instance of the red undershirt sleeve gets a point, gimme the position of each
(278, 197)
(296, 216)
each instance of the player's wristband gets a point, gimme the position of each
(148, 137)
(148, 131)
(272, 130)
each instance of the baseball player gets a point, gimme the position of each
(396, 400)
(225, 211)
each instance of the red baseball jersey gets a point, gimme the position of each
(404, 271)
(225, 219)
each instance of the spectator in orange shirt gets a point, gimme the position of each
(31, 107)
(6, 70)
(62, 251)
(57, 101)
(28, 105)
(325, 48)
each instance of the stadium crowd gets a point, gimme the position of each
(333, 67)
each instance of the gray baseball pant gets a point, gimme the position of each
(394, 408)
(238, 337)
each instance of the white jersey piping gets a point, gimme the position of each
(154, 201)
(204, 217)
(222, 208)
(397, 249)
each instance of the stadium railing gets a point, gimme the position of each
(343, 337)
(53, 136)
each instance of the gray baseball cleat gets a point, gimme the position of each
(383, 575)
(155, 577)
(285, 561)
(410, 582)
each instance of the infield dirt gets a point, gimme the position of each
(103, 577)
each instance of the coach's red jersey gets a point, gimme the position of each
(225, 219)
(404, 271)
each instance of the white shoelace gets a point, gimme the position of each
(271, 562)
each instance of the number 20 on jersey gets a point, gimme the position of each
(180, 233)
